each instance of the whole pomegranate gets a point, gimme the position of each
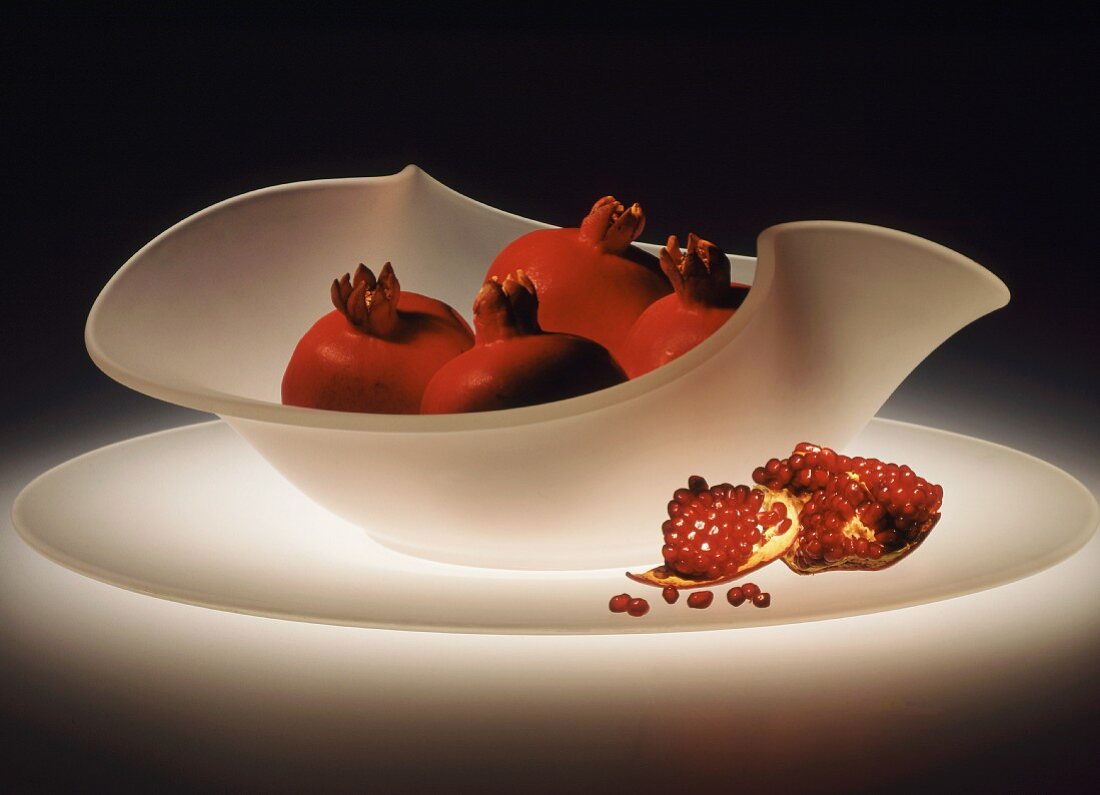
(856, 513)
(591, 281)
(377, 351)
(703, 299)
(514, 362)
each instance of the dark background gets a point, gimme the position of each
(966, 128)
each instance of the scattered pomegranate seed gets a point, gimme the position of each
(671, 594)
(700, 599)
(762, 600)
(736, 596)
(618, 603)
(638, 607)
(750, 589)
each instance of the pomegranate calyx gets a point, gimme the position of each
(368, 303)
(612, 227)
(506, 309)
(700, 274)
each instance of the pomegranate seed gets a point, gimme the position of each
(762, 600)
(700, 599)
(712, 531)
(618, 603)
(750, 589)
(671, 594)
(637, 607)
(736, 596)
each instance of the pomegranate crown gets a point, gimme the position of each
(369, 303)
(611, 226)
(700, 274)
(506, 309)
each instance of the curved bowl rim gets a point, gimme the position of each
(230, 405)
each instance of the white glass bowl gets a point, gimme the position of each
(207, 314)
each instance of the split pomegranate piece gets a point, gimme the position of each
(591, 281)
(715, 534)
(818, 510)
(704, 299)
(514, 362)
(856, 513)
(377, 351)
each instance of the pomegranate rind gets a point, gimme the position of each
(662, 577)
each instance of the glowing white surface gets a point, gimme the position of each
(220, 698)
(196, 515)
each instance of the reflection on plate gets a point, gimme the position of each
(193, 514)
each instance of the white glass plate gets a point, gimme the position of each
(195, 515)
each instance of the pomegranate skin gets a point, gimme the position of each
(341, 366)
(521, 371)
(666, 330)
(591, 282)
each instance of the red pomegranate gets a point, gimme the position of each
(703, 299)
(514, 362)
(377, 351)
(816, 509)
(715, 534)
(856, 513)
(591, 281)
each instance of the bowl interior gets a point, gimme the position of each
(214, 306)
